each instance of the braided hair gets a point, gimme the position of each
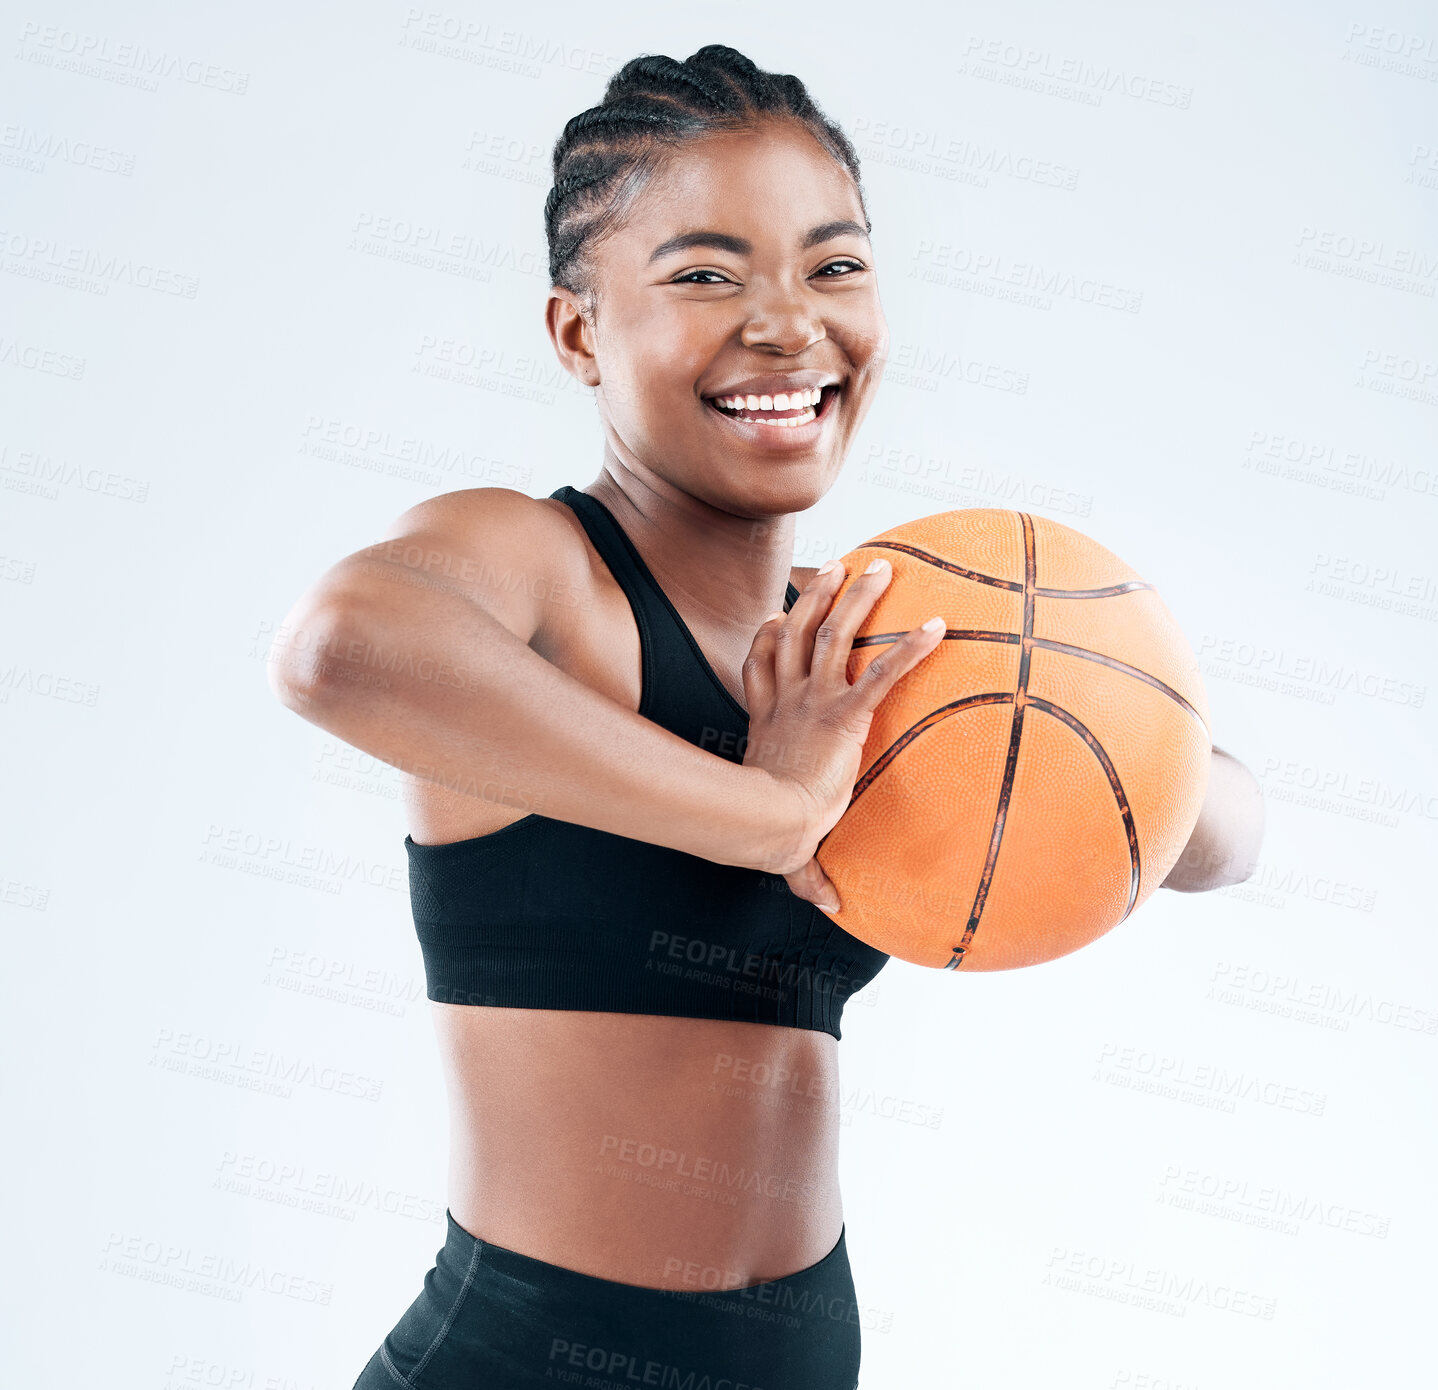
(652, 104)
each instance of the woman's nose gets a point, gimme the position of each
(782, 318)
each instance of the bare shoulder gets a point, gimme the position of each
(515, 555)
(800, 575)
(481, 517)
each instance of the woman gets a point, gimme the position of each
(621, 767)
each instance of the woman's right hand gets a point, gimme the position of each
(807, 722)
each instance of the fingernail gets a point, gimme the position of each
(875, 566)
(832, 905)
(825, 568)
(933, 625)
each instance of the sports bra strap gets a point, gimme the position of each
(615, 548)
(666, 645)
(608, 538)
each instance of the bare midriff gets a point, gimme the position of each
(683, 1153)
(676, 1153)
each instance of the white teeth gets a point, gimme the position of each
(793, 401)
(788, 423)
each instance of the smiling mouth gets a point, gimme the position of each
(778, 419)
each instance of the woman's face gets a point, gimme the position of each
(742, 268)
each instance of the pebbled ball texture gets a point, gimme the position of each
(1029, 784)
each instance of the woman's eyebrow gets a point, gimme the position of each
(742, 246)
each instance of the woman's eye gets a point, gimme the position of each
(691, 277)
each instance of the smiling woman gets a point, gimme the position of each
(614, 814)
(636, 991)
(785, 301)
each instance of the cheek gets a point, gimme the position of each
(864, 335)
(659, 360)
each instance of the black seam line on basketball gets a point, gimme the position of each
(993, 697)
(949, 565)
(1114, 664)
(997, 697)
(959, 634)
(1115, 783)
(1127, 587)
(1011, 759)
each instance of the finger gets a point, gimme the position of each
(833, 639)
(791, 659)
(813, 885)
(879, 676)
(757, 672)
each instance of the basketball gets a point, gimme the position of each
(1035, 777)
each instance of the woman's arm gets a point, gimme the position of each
(420, 650)
(1224, 845)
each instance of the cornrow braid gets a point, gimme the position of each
(606, 154)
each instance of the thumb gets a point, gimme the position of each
(813, 885)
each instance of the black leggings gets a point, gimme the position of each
(492, 1319)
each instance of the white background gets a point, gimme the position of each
(228, 357)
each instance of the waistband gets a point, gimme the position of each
(460, 1246)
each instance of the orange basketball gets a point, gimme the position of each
(1036, 776)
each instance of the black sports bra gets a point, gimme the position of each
(547, 914)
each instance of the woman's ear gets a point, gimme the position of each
(571, 329)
